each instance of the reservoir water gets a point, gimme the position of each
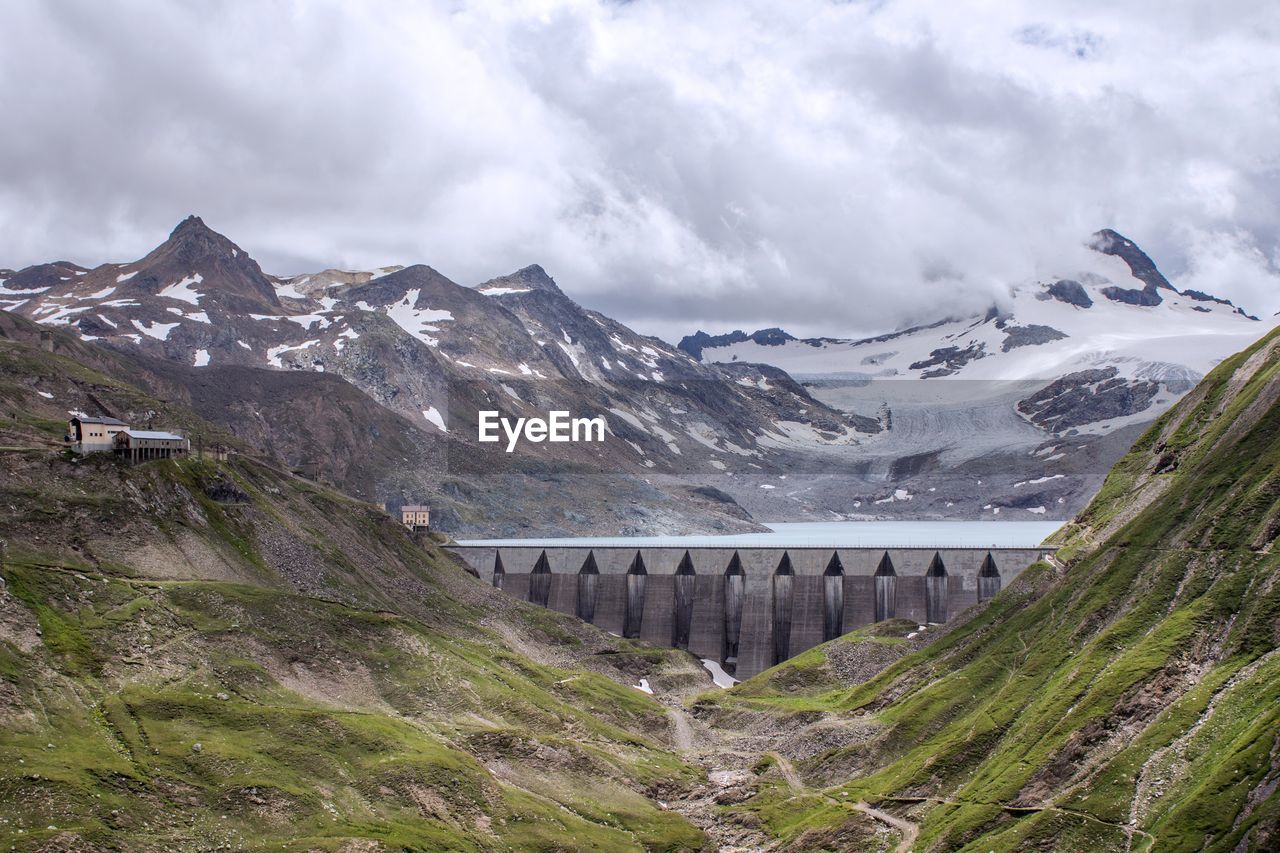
(825, 534)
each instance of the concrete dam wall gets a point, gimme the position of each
(748, 608)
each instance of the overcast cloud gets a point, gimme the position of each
(832, 168)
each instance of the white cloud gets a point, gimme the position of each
(832, 167)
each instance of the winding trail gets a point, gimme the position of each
(909, 830)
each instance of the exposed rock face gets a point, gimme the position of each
(1110, 242)
(1070, 292)
(694, 344)
(1132, 296)
(1086, 397)
(1029, 336)
(945, 361)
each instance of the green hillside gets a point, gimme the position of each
(196, 653)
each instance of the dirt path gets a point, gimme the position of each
(908, 829)
(681, 730)
(789, 773)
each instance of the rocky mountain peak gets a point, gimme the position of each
(227, 274)
(1110, 242)
(192, 240)
(530, 278)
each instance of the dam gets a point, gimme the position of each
(748, 607)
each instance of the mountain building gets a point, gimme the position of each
(141, 445)
(92, 435)
(415, 516)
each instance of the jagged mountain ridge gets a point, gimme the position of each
(435, 353)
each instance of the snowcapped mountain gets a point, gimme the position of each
(1019, 410)
(1119, 312)
(1111, 339)
(436, 352)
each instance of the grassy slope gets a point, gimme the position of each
(1132, 699)
(342, 680)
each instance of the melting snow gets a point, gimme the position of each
(1039, 480)
(183, 291)
(644, 685)
(243, 344)
(125, 276)
(344, 336)
(101, 294)
(274, 353)
(417, 321)
(4, 291)
(159, 331)
(45, 394)
(306, 321)
(718, 675)
(1038, 510)
(572, 352)
(60, 317)
(198, 316)
(503, 291)
(288, 290)
(433, 417)
(202, 358)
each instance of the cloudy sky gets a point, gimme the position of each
(828, 167)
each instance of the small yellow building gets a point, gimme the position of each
(87, 434)
(415, 516)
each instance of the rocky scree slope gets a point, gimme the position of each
(1123, 696)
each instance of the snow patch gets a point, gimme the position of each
(159, 331)
(61, 316)
(202, 358)
(1038, 480)
(274, 353)
(183, 291)
(718, 675)
(434, 418)
(417, 321)
(288, 290)
(630, 418)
